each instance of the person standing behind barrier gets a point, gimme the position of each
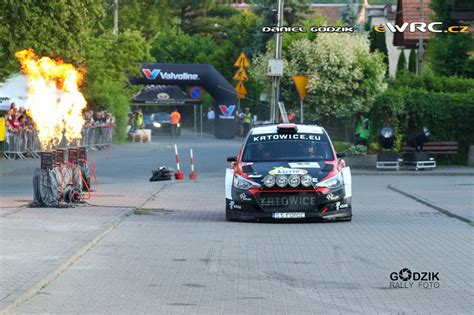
(175, 120)
(11, 112)
(3, 132)
(247, 121)
(211, 116)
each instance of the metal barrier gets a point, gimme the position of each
(20, 144)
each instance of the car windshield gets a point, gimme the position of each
(309, 148)
(161, 117)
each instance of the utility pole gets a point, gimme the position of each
(420, 41)
(277, 79)
(116, 17)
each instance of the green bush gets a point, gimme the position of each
(432, 83)
(448, 116)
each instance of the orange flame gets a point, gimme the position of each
(54, 99)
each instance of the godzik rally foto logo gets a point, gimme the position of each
(433, 27)
(227, 111)
(406, 278)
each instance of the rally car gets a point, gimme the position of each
(288, 172)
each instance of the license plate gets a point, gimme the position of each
(288, 215)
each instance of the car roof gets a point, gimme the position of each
(260, 130)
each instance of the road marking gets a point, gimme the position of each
(429, 204)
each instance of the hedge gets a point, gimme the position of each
(448, 116)
(432, 83)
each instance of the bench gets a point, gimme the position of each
(441, 147)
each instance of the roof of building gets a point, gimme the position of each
(409, 11)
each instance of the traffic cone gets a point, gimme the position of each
(193, 174)
(178, 175)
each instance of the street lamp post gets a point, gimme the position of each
(276, 80)
(420, 41)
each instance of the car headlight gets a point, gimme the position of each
(281, 181)
(269, 181)
(243, 183)
(306, 180)
(331, 183)
(157, 124)
(294, 181)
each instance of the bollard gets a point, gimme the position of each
(192, 175)
(178, 175)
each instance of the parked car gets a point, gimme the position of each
(288, 172)
(158, 122)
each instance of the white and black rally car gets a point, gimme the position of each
(288, 172)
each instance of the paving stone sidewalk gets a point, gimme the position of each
(36, 241)
(186, 259)
(452, 193)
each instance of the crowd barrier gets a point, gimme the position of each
(20, 144)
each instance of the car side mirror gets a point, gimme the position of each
(232, 159)
(341, 155)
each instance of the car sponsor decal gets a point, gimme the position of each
(289, 201)
(286, 136)
(304, 164)
(244, 197)
(233, 205)
(331, 197)
(287, 171)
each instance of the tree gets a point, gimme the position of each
(350, 15)
(191, 14)
(412, 61)
(48, 27)
(402, 61)
(345, 76)
(449, 53)
(134, 13)
(378, 43)
(293, 14)
(108, 61)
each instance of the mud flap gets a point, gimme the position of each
(229, 177)
(347, 178)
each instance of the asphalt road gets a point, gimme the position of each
(176, 254)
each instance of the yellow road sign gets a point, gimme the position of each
(241, 90)
(301, 82)
(242, 61)
(241, 75)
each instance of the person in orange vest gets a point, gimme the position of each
(175, 121)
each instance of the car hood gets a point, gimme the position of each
(258, 170)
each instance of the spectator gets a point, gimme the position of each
(362, 131)
(11, 111)
(14, 122)
(211, 116)
(3, 132)
(291, 116)
(175, 121)
(247, 121)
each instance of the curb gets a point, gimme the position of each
(429, 204)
